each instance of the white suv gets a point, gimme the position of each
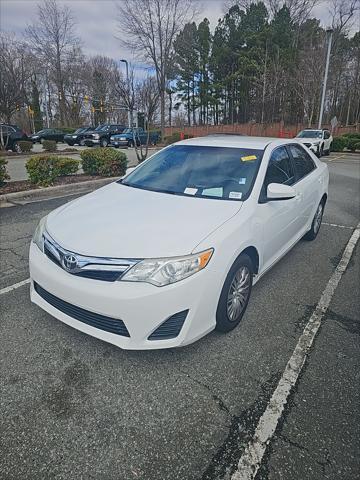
(319, 141)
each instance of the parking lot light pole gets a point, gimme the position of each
(329, 33)
(128, 86)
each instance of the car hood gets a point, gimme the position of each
(124, 222)
(309, 140)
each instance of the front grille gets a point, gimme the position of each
(104, 269)
(102, 322)
(170, 328)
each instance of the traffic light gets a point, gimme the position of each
(92, 109)
(17, 107)
(86, 99)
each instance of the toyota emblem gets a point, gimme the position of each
(69, 262)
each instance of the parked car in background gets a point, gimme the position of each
(131, 135)
(171, 251)
(10, 135)
(48, 134)
(101, 135)
(78, 136)
(318, 141)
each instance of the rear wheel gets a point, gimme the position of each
(316, 223)
(235, 294)
(16, 147)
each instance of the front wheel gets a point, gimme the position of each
(104, 142)
(82, 143)
(316, 223)
(235, 294)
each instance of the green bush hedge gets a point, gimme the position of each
(68, 129)
(43, 169)
(49, 145)
(352, 135)
(353, 143)
(3, 172)
(176, 137)
(338, 144)
(103, 161)
(25, 146)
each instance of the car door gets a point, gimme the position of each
(308, 181)
(280, 218)
(327, 140)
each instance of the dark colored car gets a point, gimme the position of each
(78, 136)
(101, 135)
(131, 135)
(10, 135)
(48, 134)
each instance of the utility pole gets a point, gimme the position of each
(130, 122)
(329, 33)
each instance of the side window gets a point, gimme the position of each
(326, 135)
(280, 168)
(303, 162)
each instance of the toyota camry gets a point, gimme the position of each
(171, 251)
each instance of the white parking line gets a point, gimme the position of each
(250, 460)
(15, 286)
(336, 225)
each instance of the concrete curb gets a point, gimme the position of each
(48, 192)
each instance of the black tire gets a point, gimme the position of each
(224, 322)
(104, 142)
(71, 144)
(316, 223)
(321, 154)
(82, 143)
(16, 147)
(327, 152)
(130, 143)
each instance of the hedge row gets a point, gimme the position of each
(44, 169)
(351, 141)
(106, 162)
(3, 172)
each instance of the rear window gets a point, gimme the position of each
(200, 171)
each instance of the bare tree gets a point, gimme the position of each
(151, 27)
(53, 37)
(16, 72)
(125, 87)
(343, 13)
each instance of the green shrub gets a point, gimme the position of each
(3, 172)
(49, 145)
(66, 166)
(338, 144)
(43, 169)
(352, 143)
(103, 161)
(25, 146)
(176, 137)
(352, 135)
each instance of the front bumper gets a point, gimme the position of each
(119, 143)
(141, 307)
(89, 142)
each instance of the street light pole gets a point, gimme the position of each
(329, 32)
(128, 86)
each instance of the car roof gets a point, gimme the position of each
(235, 141)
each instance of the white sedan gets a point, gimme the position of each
(170, 252)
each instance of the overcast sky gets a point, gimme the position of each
(96, 21)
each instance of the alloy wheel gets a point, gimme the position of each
(238, 293)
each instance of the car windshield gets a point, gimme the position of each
(201, 171)
(41, 131)
(102, 128)
(310, 134)
(128, 130)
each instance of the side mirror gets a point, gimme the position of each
(278, 191)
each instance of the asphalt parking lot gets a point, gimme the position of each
(73, 407)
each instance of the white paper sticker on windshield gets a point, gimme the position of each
(213, 192)
(190, 191)
(236, 195)
(242, 181)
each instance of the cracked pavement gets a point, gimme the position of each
(75, 407)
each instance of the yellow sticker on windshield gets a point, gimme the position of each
(249, 158)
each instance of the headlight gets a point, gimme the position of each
(163, 271)
(112, 139)
(96, 136)
(122, 138)
(74, 136)
(38, 238)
